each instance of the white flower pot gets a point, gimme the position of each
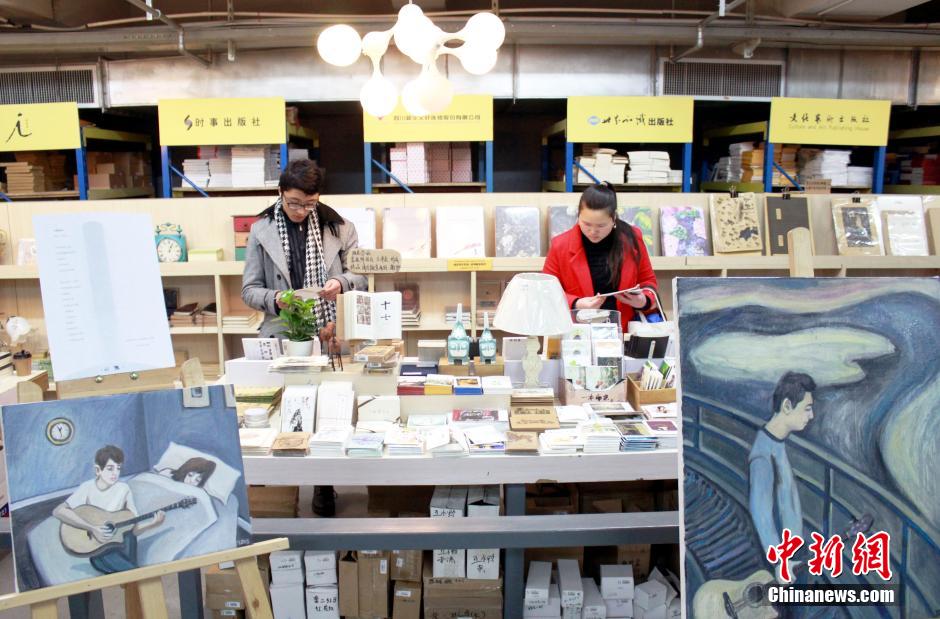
(298, 349)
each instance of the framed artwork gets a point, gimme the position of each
(857, 229)
(735, 224)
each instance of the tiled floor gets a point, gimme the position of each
(352, 503)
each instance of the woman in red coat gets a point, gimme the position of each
(602, 254)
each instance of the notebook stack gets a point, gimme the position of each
(648, 167)
(185, 315)
(256, 441)
(533, 397)
(196, 170)
(831, 164)
(248, 166)
(600, 436)
(561, 441)
(365, 445)
(247, 320)
(636, 436)
(329, 443)
(569, 417)
(404, 442)
(485, 439)
(6, 363)
(411, 385)
(410, 304)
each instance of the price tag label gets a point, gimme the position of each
(367, 261)
(470, 264)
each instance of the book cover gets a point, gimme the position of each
(410, 296)
(372, 315)
(735, 224)
(460, 415)
(460, 232)
(363, 219)
(601, 378)
(856, 228)
(905, 230)
(781, 216)
(683, 231)
(518, 232)
(642, 218)
(407, 230)
(561, 219)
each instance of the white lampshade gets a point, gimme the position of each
(379, 96)
(409, 98)
(533, 304)
(485, 30)
(434, 92)
(476, 59)
(17, 328)
(339, 45)
(375, 44)
(416, 36)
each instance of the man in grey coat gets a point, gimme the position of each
(299, 242)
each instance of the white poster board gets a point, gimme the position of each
(101, 294)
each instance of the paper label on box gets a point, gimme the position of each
(399, 562)
(228, 613)
(623, 582)
(233, 605)
(571, 598)
(383, 566)
(403, 594)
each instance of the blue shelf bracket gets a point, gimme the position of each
(489, 166)
(793, 181)
(687, 167)
(878, 173)
(569, 167)
(5, 197)
(165, 172)
(367, 166)
(394, 178)
(586, 171)
(81, 171)
(768, 167)
(284, 156)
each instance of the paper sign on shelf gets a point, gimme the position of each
(39, 126)
(196, 122)
(843, 122)
(469, 118)
(360, 260)
(629, 119)
(470, 264)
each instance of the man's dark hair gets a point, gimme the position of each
(793, 386)
(109, 452)
(302, 174)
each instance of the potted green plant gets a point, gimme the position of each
(300, 324)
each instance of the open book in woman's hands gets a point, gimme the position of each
(624, 291)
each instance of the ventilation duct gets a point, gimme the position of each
(50, 85)
(722, 79)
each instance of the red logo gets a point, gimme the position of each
(826, 556)
(784, 552)
(872, 554)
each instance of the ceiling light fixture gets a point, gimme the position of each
(415, 36)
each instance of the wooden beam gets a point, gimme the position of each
(801, 253)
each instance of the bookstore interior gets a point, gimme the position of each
(391, 310)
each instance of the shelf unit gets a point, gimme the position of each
(110, 135)
(762, 129)
(392, 184)
(914, 134)
(568, 185)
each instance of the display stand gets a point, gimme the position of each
(130, 382)
(144, 592)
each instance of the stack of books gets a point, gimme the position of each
(571, 416)
(410, 304)
(411, 385)
(367, 445)
(248, 166)
(256, 441)
(496, 385)
(6, 363)
(539, 396)
(485, 439)
(636, 436)
(299, 365)
(220, 172)
(247, 320)
(196, 170)
(736, 153)
(293, 444)
(561, 441)
(666, 431)
(24, 178)
(648, 167)
(859, 176)
(600, 436)
(52, 164)
(329, 443)
(725, 171)
(455, 447)
(450, 317)
(185, 315)
(404, 442)
(831, 164)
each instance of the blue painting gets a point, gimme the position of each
(105, 484)
(810, 406)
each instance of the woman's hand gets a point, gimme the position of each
(589, 302)
(277, 300)
(635, 300)
(331, 288)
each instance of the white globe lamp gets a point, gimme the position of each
(378, 96)
(485, 30)
(339, 45)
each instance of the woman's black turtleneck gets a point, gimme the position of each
(598, 255)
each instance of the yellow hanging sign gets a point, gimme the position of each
(39, 126)
(843, 122)
(195, 122)
(468, 118)
(630, 119)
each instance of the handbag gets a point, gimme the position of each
(649, 335)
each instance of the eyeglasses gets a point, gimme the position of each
(300, 206)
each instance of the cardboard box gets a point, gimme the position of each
(373, 584)
(273, 501)
(287, 601)
(226, 613)
(483, 564)
(570, 396)
(575, 553)
(222, 581)
(617, 582)
(635, 555)
(348, 584)
(320, 578)
(456, 598)
(232, 600)
(619, 609)
(594, 607)
(538, 582)
(674, 610)
(655, 613)
(323, 602)
(640, 397)
(449, 502)
(671, 593)
(650, 594)
(569, 583)
(287, 567)
(320, 567)
(551, 499)
(243, 223)
(548, 610)
(396, 501)
(406, 601)
(406, 565)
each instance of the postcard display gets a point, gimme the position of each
(592, 355)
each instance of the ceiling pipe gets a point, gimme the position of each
(181, 37)
(700, 30)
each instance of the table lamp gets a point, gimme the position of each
(533, 305)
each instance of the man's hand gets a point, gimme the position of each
(331, 288)
(635, 300)
(589, 303)
(277, 299)
(102, 533)
(159, 518)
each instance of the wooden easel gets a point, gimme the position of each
(144, 596)
(146, 587)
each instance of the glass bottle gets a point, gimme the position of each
(487, 342)
(458, 342)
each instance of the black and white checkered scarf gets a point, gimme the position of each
(315, 272)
